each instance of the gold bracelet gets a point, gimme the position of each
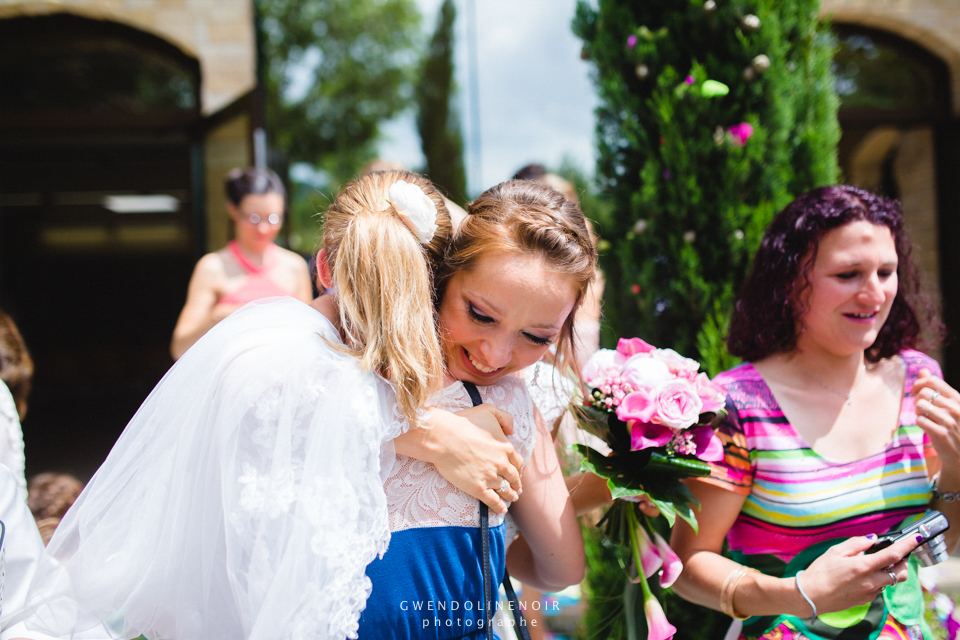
(729, 589)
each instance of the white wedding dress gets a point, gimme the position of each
(244, 500)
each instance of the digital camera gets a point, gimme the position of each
(932, 550)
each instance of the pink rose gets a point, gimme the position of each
(680, 366)
(677, 404)
(601, 365)
(642, 371)
(713, 395)
(632, 346)
(637, 406)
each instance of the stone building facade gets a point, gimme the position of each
(118, 121)
(911, 149)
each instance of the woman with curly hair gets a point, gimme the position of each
(837, 429)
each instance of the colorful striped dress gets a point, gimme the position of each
(797, 499)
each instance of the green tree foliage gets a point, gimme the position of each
(688, 203)
(437, 118)
(335, 69)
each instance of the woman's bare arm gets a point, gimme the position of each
(200, 312)
(549, 554)
(841, 578)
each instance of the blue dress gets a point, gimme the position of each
(429, 583)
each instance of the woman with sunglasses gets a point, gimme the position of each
(250, 267)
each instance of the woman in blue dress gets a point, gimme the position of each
(246, 498)
(509, 287)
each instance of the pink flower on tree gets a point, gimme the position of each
(741, 133)
(631, 41)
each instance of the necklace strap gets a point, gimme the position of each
(846, 396)
(244, 261)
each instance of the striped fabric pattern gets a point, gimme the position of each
(795, 497)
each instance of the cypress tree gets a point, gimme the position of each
(437, 119)
(714, 115)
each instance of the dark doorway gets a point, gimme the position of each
(99, 167)
(900, 139)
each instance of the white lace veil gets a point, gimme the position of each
(243, 500)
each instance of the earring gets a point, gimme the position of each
(536, 372)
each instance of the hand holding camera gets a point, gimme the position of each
(931, 548)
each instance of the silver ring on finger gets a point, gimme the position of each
(504, 485)
(893, 577)
(933, 398)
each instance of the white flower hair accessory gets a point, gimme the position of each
(415, 209)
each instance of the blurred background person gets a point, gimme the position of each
(250, 267)
(16, 370)
(49, 495)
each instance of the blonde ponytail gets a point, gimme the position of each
(383, 281)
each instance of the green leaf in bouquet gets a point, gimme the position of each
(650, 474)
(605, 425)
(593, 421)
(620, 468)
(678, 467)
(616, 523)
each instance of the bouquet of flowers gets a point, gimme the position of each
(656, 412)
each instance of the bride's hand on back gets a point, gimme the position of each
(470, 449)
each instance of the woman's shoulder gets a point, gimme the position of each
(746, 389)
(742, 374)
(213, 265)
(290, 258)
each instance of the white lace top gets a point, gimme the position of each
(418, 496)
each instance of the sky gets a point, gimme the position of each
(536, 96)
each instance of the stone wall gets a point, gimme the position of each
(218, 33)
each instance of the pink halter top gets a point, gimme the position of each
(258, 284)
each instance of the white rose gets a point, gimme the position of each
(415, 209)
(600, 365)
(642, 371)
(684, 367)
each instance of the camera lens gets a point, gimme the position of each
(933, 551)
